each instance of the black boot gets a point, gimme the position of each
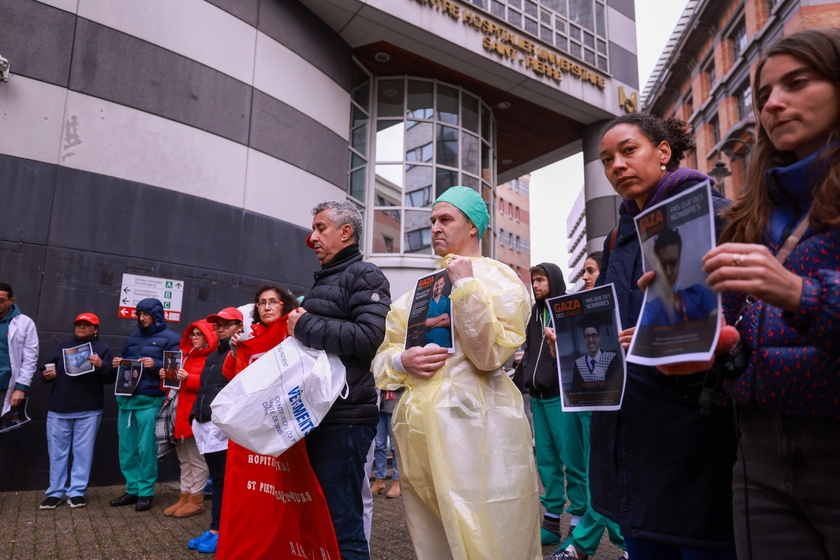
(124, 500)
(144, 503)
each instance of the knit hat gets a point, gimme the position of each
(470, 203)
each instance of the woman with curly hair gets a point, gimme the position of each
(659, 468)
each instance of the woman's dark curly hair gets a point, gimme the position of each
(658, 130)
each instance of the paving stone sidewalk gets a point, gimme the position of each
(99, 531)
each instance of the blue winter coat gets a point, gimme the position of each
(148, 342)
(658, 467)
(795, 364)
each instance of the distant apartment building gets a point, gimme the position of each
(513, 226)
(703, 75)
(577, 242)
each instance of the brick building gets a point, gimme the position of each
(513, 226)
(703, 76)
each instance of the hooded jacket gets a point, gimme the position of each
(148, 342)
(79, 393)
(537, 371)
(194, 362)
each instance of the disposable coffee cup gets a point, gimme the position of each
(50, 367)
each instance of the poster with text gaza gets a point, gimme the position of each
(680, 316)
(430, 316)
(590, 360)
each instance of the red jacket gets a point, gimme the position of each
(262, 340)
(194, 364)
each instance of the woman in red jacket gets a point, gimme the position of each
(199, 340)
(270, 503)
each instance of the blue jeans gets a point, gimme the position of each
(383, 435)
(337, 455)
(66, 435)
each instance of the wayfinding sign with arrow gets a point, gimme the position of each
(136, 288)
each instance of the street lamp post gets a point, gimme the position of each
(720, 171)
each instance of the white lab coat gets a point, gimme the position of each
(23, 355)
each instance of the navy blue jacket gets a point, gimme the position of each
(795, 364)
(346, 310)
(79, 393)
(149, 342)
(658, 467)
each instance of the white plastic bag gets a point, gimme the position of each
(274, 402)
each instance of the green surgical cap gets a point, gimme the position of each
(470, 203)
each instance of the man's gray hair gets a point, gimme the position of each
(344, 212)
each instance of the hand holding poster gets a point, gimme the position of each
(15, 417)
(172, 360)
(680, 316)
(128, 377)
(590, 361)
(77, 359)
(430, 317)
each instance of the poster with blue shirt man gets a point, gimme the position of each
(430, 318)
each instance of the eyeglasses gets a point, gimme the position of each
(220, 325)
(269, 303)
(196, 335)
(593, 335)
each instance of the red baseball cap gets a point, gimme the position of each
(89, 317)
(309, 241)
(228, 314)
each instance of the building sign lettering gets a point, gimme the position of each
(513, 47)
(629, 103)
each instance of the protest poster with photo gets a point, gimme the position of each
(77, 359)
(172, 360)
(680, 316)
(15, 417)
(590, 360)
(430, 317)
(128, 377)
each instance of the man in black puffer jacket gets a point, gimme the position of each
(344, 314)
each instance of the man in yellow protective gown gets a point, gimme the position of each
(469, 484)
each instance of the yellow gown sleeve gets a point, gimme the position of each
(387, 378)
(490, 312)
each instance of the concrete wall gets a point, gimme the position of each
(163, 139)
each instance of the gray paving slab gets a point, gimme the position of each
(99, 531)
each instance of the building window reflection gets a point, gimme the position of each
(430, 136)
(576, 27)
